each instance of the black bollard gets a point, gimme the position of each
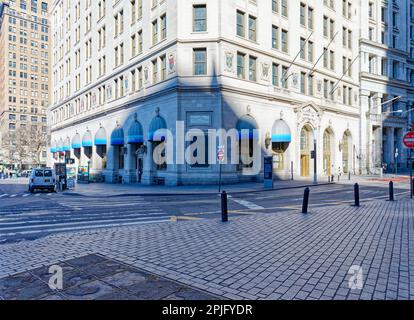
(338, 177)
(412, 189)
(305, 201)
(391, 190)
(329, 179)
(349, 176)
(224, 208)
(356, 194)
(333, 179)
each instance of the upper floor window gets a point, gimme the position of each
(200, 18)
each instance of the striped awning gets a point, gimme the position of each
(281, 132)
(100, 137)
(87, 141)
(135, 133)
(157, 129)
(66, 145)
(246, 126)
(76, 141)
(118, 137)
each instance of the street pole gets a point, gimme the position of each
(411, 173)
(220, 177)
(315, 169)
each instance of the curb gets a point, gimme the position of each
(196, 193)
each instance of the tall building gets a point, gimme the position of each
(123, 70)
(387, 82)
(24, 83)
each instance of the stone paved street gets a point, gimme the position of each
(285, 255)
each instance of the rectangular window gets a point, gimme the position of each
(240, 66)
(285, 47)
(200, 61)
(275, 74)
(240, 24)
(252, 28)
(275, 37)
(302, 82)
(200, 18)
(252, 69)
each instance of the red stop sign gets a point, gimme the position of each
(408, 140)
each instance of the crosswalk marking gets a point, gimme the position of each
(91, 227)
(3, 195)
(247, 204)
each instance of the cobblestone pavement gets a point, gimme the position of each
(285, 255)
(93, 277)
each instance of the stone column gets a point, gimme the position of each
(148, 171)
(364, 149)
(389, 147)
(130, 172)
(110, 165)
(402, 153)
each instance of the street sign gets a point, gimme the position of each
(220, 154)
(408, 140)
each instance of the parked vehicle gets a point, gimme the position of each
(42, 179)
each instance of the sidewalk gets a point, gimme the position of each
(283, 255)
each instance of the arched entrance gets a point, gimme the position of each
(101, 145)
(157, 136)
(346, 151)
(306, 137)
(328, 150)
(136, 140)
(281, 139)
(87, 144)
(117, 143)
(246, 126)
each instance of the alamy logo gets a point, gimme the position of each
(56, 280)
(356, 282)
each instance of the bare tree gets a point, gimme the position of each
(37, 144)
(24, 147)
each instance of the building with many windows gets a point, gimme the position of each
(24, 83)
(387, 82)
(124, 71)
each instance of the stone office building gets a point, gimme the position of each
(123, 70)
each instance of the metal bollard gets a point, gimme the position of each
(329, 179)
(333, 179)
(391, 191)
(412, 189)
(356, 194)
(349, 175)
(224, 208)
(305, 201)
(338, 177)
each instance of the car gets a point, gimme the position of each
(42, 179)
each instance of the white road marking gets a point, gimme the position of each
(247, 204)
(13, 196)
(3, 195)
(98, 226)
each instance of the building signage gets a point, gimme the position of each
(408, 140)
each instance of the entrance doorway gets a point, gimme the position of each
(346, 151)
(328, 151)
(305, 150)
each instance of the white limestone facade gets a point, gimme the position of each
(387, 78)
(288, 68)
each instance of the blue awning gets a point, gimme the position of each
(60, 145)
(281, 132)
(87, 140)
(76, 141)
(100, 137)
(157, 129)
(135, 133)
(53, 146)
(66, 145)
(117, 137)
(246, 124)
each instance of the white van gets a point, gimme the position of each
(42, 179)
